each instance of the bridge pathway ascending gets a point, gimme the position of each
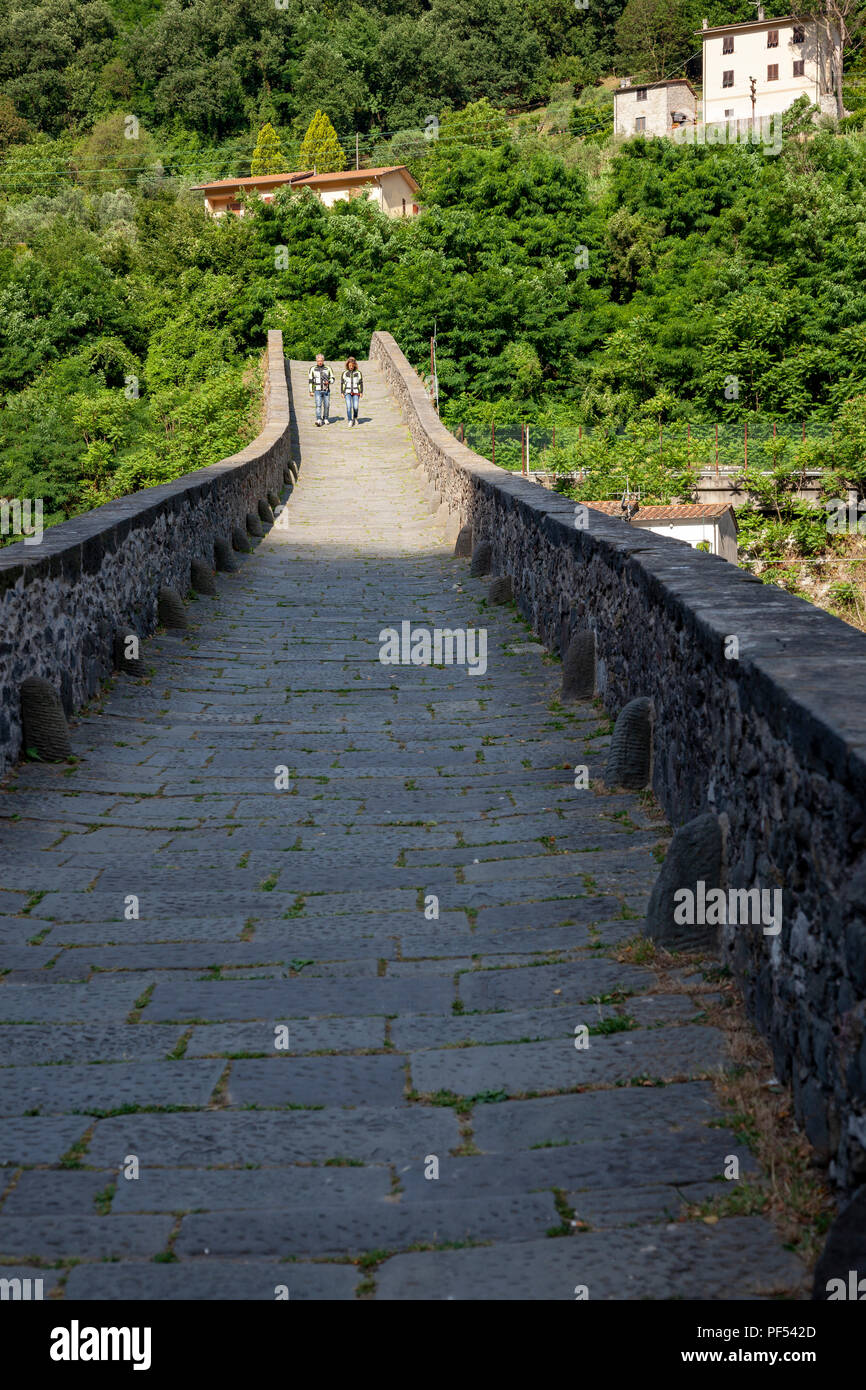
(152, 1043)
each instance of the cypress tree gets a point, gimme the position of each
(321, 149)
(267, 155)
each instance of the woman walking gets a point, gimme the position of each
(352, 387)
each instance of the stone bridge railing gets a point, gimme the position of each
(68, 604)
(758, 725)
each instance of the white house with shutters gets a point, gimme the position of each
(778, 60)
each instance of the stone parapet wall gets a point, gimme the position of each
(62, 601)
(759, 716)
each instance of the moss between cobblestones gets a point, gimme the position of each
(102, 1200)
(567, 1224)
(76, 1152)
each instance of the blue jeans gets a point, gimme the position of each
(351, 406)
(323, 405)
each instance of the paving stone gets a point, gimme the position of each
(305, 1035)
(108, 999)
(374, 1135)
(635, 1206)
(626, 1111)
(42, 1281)
(738, 1258)
(68, 1237)
(552, 985)
(269, 1189)
(206, 1280)
(17, 931)
(200, 956)
(57, 1090)
(317, 1081)
(688, 1155)
(33, 1139)
(211, 932)
(650, 1009)
(215, 1002)
(665, 1054)
(367, 1226)
(39, 1193)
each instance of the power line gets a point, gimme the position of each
(190, 166)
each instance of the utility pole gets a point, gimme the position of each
(357, 155)
(752, 83)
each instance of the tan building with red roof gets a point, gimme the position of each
(707, 524)
(391, 186)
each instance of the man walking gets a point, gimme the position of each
(352, 388)
(320, 387)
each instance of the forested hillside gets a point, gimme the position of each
(213, 66)
(569, 278)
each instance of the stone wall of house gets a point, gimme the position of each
(759, 717)
(654, 107)
(62, 600)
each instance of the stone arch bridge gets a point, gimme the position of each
(311, 954)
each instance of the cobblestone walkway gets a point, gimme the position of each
(305, 916)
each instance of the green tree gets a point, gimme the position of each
(12, 126)
(479, 124)
(267, 155)
(630, 241)
(115, 152)
(324, 75)
(321, 150)
(655, 36)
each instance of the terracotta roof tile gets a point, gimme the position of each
(304, 177)
(674, 511)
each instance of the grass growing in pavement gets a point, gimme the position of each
(567, 1221)
(793, 1193)
(621, 1024)
(180, 1047)
(638, 950)
(73, 1158)
(140, 1003)
(102, 1200)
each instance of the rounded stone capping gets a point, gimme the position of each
(579, 667)
(254, 526)
(629, 757)
(500, 590)
(694, 864)
(170, 609)
(132, 665)
(201, 577)
(222, 551)
(482, 559)
(265, 513)
(240, 541)
(43, 720)
(463, 543)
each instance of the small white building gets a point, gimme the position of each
(392, 187)
(711, 525)
(653, 108)
(785, 59)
